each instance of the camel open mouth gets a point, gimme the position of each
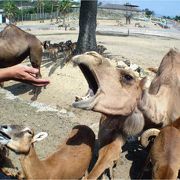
(84, 102)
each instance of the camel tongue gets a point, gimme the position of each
(89, 94)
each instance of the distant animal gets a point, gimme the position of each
(70, 161)
(64, 48)
(68, 49)
(72, 28)
(16, 45)
(52, 50)
(119, 23)
(71, 46)
(101, 49)
(68, 43)
(165, 151)
(138, 25)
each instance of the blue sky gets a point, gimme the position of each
(160, 7)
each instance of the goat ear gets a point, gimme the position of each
(39, 137)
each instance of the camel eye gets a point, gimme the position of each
(127, 77)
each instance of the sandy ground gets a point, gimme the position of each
(66, 83)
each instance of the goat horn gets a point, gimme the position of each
(147, 134)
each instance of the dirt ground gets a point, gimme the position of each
(66, 83)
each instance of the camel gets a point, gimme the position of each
(70, 161)
(165, 151)
(126, 106)
(16, 45)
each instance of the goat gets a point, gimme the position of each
(101, 49)
(68, 48)
(70, 161)
(165, 151)
(52, 49)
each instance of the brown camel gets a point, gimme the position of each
(165, 151)
(70, 161)
(16, 45)
(125, 105)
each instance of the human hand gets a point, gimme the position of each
(25, 74)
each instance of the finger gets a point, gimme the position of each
(31, 70)
(34, 75)
(36, 80)
(40, 85)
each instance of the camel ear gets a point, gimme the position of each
(39, 137)
(143, 83)
(95, 54)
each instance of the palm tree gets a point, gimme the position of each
(64, 7)
(10, 9)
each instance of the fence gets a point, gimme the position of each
(102, 14)
(37, 16)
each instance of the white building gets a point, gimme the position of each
(1, 16)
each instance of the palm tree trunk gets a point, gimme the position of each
(52, 11)
(87, 23)
(57, 15)
(37, 11)
(40, 12)
(21, 12)
(64, 20)
(43, 11)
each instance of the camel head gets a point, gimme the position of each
(112, 91)
(160, 103)
(19, 138)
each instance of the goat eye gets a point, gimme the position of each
(128, 77)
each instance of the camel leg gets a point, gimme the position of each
(108, 154)
(36, 90)
(36, 58)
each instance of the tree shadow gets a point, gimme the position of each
(53, 64)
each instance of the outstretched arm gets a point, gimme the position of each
(22, 73)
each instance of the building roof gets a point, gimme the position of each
(120, 7)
